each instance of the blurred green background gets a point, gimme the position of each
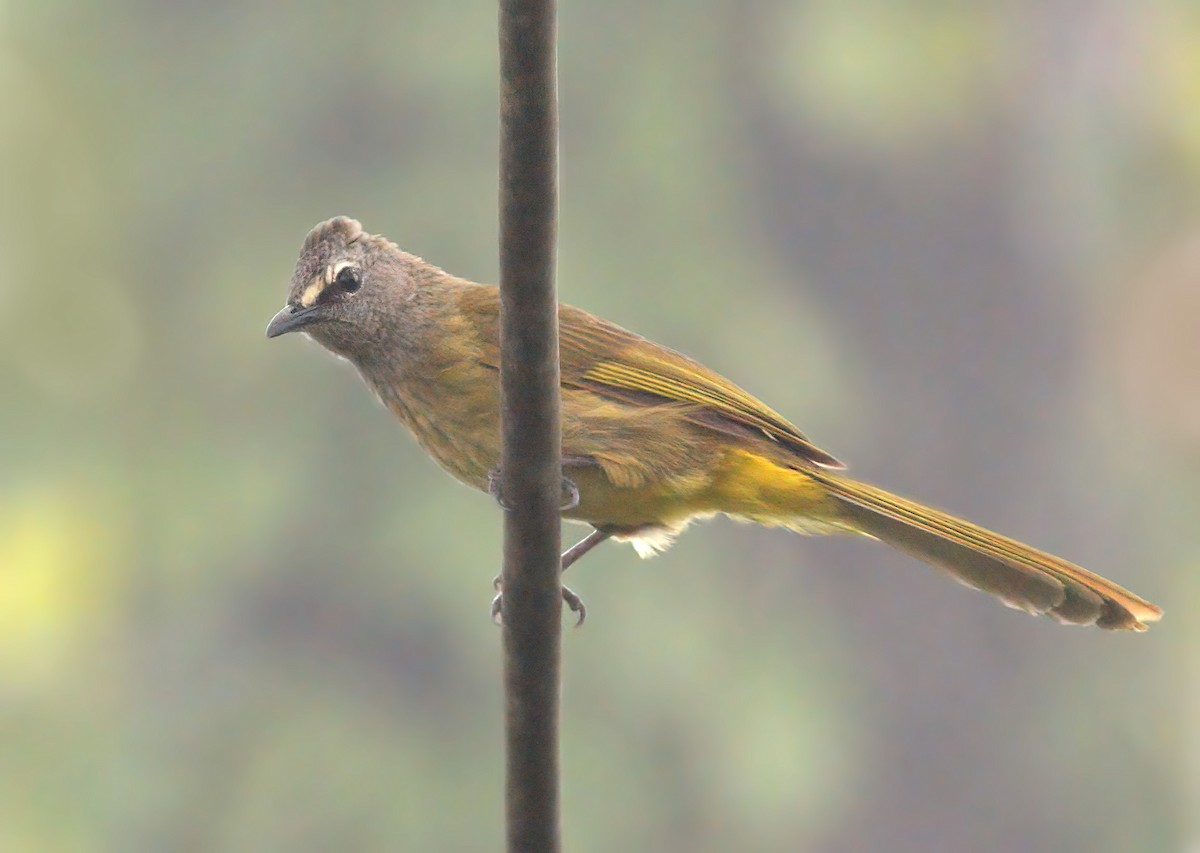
(956, 242)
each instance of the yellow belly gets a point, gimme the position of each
(740, 484)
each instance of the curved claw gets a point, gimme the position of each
(573, 500)
(576, 604)
(494, 488)
(570, 598)
(568, 485)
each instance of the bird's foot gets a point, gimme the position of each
(494, 491)
(569, 489)
(570, 598)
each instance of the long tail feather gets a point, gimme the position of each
(1019, 575)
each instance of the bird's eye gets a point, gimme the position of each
(348, 279)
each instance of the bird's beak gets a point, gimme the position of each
(291, 318)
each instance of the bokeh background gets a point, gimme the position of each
(956, 242)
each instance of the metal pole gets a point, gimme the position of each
(531, 472)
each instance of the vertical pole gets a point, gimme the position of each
(530, 463)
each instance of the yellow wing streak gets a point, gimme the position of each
(675, 382)
(601, 357)
(642, 380)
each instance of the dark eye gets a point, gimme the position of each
(348, 279)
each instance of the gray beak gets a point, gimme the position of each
(291, 318)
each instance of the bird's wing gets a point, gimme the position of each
(602, 357)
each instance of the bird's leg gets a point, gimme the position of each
(587, 543)
(569, 557)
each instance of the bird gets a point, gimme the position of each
(651, 439)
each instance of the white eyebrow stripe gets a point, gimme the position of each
(314, 290)
(311, 293)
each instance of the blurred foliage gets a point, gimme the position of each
(239, 610)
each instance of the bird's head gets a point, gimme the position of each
(348, 290)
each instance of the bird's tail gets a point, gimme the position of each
(1021, 576)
